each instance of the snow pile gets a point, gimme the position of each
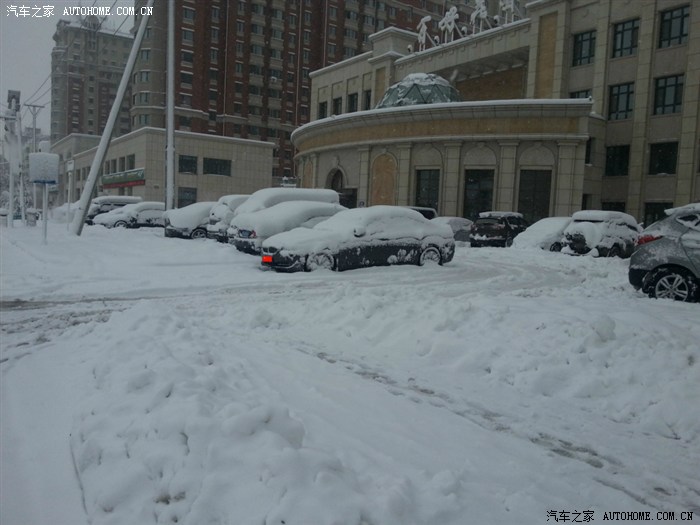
(185, 385)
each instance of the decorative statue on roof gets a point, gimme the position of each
(423, 32)
(448, 24)
(479, 16)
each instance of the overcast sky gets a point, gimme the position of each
(25, 50)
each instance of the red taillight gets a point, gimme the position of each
(267, 259)
(644, 239)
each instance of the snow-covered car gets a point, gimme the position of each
(601, 233)
(221, 214)
(666, 261)
(545, 234)
(270, 196)
(249, 230)
(496, 228)
(361, 237)
(107, 203)
(461, 227)
(141, 214)
(189, 222)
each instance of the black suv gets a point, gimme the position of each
(496, 228)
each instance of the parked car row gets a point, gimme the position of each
(297, 229)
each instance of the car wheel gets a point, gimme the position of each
(670, 283)
(431, 255)
(198, 234)
(120, 224)
(555, 247)
(614, 251)
(474, 244)
(509, 242)
(319, 261)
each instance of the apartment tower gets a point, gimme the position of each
(242, 67)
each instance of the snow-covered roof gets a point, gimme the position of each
(284, 216)
(603, 215)
(419, 88)
(190, 216)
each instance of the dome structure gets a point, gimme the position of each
(419, 88)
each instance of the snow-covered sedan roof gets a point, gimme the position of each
(270, 196)
(284, 216)
(190, 216)
(688, 208)
(603, 215)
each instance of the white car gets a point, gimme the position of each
(189, 222)
(146, 214)
(545, 234)
(221, 215)
(601, 233)
(249, 230)
(107, 203)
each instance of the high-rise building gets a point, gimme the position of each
(87, 63)
(242, 67)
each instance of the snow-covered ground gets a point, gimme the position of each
(153, 380)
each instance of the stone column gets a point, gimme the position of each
(449, 199)
(364, 176)
(506, 176)
(405, 178)
(567, 182)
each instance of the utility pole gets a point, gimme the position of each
(84, 204)
(34, 109)
(15, 129)
(170, 113)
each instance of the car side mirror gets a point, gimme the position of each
(359, 231)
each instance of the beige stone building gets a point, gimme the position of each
(567, 104)
(206, 166)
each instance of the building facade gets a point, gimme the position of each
(242, 67)
(569, 104)
(87, 63)
(206, 167)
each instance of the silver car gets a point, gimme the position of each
(666, 261)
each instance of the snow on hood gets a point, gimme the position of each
(270, 196)
(190, 216)
(283, 216)
(603, 215)
(543, 233)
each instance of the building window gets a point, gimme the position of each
(673, 29)
(427, 188)
(613, 206)
(589, 150)
(654, 211)
(187, 56)
(625, 38)
(185, 122)
(188, 14)
(583, 93)
(617, 160)
(352, 102)
(131, 162)
(214, 34)
(584, 48)
(186, 78)
(662, 158)
(621, 101)
(322, 109)
(478, 192)
(187, 35)
(337, 106)
(367, 99)
(187, 164)
(217, 167)
(186, 196)
(214, 55)
(668, 95)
